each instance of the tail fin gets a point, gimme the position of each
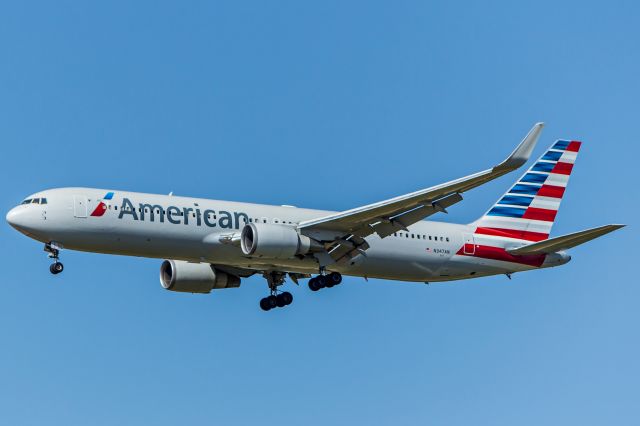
(527, 211)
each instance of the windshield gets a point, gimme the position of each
(35, 201)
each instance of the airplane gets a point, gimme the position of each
(210, 244)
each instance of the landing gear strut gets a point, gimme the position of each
(54, 253)
(276, 299)
(322, 281)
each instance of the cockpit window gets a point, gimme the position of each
(43, 201)
(36, 201)
(27, 201)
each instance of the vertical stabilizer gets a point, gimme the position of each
(527, 211)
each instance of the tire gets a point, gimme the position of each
(272, 301)
(52, 269)
(264, 305)
(334, 278)
(322, 281)
(313, 284)
(58, 267)
(280, 302)
(287, 297)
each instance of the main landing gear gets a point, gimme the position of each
(276, 299)
(322, 281)
(54, 253)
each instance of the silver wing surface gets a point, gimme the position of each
(345, 231)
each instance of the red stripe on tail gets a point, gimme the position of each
(574, 146)
(540, 214)
(562, 168)
(551, 191)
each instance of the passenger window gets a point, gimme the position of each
(447, 239)
(413, 235)
(395, 234)
(429, 237)
(418, 236)
(407, 235)
(440, 238)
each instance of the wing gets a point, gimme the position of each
(389, 216)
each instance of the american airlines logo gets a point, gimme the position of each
(181, 215)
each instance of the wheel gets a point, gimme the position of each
(280, 302)
(287, 298)
(56, 268)
(264, 304)
(313, 284)
(322, 281)
(334, 278)
(272, 301)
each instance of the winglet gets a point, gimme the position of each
(521, 154)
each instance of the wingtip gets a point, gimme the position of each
(523, 151)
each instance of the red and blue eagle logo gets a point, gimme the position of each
(101, 208)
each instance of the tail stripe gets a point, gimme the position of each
(549, 203)
(551, 191)
(540, 214)
(525, 189)
(506, 211)
(563, 168)
(561, 145)
(552, 155)
(516, 200)
(534, 178)
(541, 166)
(527, 211)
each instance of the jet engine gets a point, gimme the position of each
(178, 275)
(275, 241)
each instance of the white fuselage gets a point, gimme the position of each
(200, 230)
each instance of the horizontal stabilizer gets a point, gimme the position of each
(564, 242)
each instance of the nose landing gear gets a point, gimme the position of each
(322, 281)
(54, 253)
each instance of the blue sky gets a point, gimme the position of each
(327, 105)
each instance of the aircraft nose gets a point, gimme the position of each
(15, 217)
(21, 219)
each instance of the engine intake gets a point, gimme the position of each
(274, 241)
(178, 275)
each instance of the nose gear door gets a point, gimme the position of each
(80, 206)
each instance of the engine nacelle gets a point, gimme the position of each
(274, 241)
(178, 275)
